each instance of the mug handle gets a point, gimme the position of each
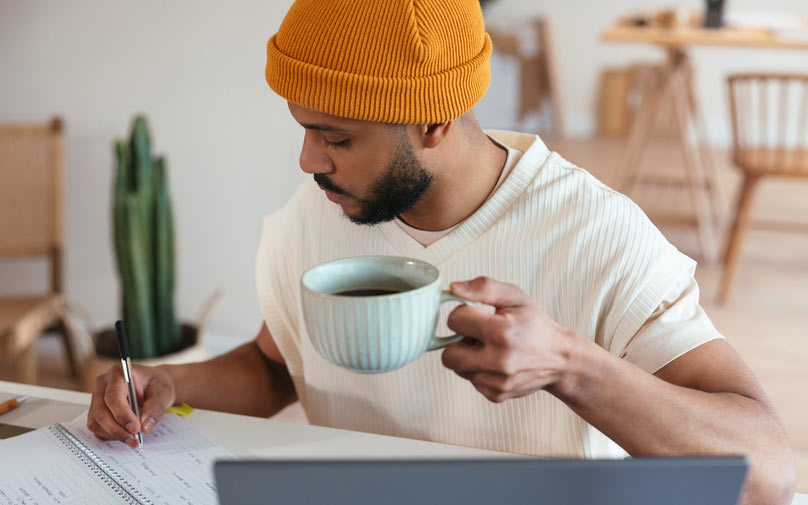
(441, 342)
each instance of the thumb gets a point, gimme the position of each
(158, 398)
(490, 292)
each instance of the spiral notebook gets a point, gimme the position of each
(66, 464)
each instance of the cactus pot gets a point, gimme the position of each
(105, 344)
(101, 350)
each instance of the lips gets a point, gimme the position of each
(334, 197)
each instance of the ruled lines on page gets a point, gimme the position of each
(37, 469)
(175, 467)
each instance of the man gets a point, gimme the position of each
(598, 346)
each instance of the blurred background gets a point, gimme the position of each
(578, 73)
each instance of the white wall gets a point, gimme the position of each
(196, 69)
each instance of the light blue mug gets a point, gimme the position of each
(374, 314)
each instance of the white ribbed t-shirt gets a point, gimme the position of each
(587, 255)
(427, 238)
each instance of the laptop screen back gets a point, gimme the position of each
(652, 481)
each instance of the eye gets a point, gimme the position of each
(341, 143)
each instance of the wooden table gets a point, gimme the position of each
(676, 80)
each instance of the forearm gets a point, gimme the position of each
(606, 391)
(243, 381)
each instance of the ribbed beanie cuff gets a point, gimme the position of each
(431, 69)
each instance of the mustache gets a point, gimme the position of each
(326, 184)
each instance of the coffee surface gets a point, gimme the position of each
(368, 292)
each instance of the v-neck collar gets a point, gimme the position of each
(534, 157)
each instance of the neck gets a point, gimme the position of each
(461, 182)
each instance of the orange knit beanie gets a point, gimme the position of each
(394, 61)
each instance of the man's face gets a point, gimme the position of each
(368, 168)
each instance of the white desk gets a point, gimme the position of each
(249, 436)
(244, 436)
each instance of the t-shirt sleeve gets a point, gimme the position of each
(277, 289)
(677, 325)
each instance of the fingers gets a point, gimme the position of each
(111, 416)
(116, 399)
(159, 396)
(490, 292)
(476, 323)
(520, 349)
(490, 393)
(467, 356)
(100, 419)
(497, 387)
(480, 358)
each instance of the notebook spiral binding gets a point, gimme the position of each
(113, 479)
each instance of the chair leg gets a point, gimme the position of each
(739, 227)
(27, 367)
(70, 350)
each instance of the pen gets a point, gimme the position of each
(12, 404)
(126, 363)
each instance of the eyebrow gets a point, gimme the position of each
(323, 127)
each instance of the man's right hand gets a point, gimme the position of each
(111, 417)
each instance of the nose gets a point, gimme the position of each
(313, 160)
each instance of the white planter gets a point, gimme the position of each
(99, 351)
(96, 363)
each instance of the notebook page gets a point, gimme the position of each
(35, 468)
(175, 467)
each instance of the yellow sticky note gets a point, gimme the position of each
(181, 410)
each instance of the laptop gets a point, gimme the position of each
(514, 481)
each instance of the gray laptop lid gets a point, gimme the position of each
(652, 481)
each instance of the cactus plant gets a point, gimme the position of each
(144, 245)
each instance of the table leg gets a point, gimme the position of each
(652, 93)
(693, 165)
(699, 164)
(713, 180)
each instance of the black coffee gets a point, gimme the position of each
(368, 292)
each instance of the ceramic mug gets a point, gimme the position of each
(374, 314)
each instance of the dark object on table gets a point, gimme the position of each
(714, 17)
(9, 430)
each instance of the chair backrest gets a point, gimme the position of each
(538, 86)
(770, 122)
(31, 171)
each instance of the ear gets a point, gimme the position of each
(433, 134)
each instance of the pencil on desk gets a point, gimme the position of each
(12, 404)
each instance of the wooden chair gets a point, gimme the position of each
(31, 166)
(538, 77)
(770, 139)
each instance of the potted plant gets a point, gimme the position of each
(144, 249)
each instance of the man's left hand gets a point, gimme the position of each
(514, 352)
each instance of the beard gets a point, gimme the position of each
(395, 192)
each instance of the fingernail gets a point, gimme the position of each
(148, 424)
(131, 442)
(131, 427)
(461, 285)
